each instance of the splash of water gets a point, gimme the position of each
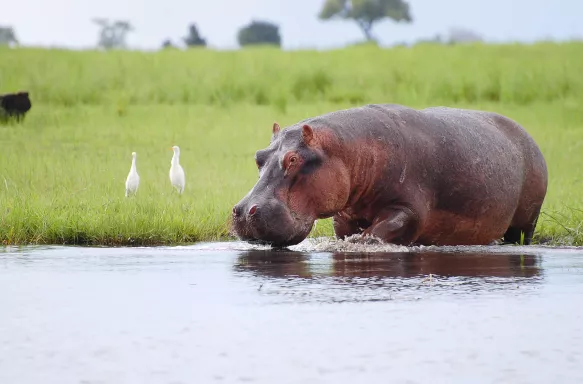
(350, 244)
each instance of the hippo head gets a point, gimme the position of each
(300, 180)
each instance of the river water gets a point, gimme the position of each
(321, 312)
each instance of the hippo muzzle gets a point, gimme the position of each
(268, 221)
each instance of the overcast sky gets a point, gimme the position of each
(68, 22)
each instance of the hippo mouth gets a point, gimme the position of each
(279, 230)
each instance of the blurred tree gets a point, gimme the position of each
(113, 35)
(462, 35)
(7, 36)
(366, 12)
(167, 44)
(194, 39)
(259, 32)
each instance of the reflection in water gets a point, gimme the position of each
(381, 276)
(394, 264)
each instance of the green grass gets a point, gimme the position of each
(62, 171)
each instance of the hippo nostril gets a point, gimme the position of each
(252, 210)
(236, 211)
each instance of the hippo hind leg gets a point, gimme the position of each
(515, 232)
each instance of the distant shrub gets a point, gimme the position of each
(259, 32)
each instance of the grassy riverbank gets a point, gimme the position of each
(62, 171)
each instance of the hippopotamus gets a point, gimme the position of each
(433, 176)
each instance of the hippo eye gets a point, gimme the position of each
(293, 160)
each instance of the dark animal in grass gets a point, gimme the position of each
(436, 176)
(14, 106)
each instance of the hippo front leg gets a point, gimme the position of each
(345, 227)
(396, 226)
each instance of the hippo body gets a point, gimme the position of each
(437, 176)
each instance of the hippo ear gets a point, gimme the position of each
(307, 134)
(275, 131)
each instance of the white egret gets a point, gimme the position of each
(177, 177)
(133, 180)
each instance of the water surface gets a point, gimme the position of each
(322, 312)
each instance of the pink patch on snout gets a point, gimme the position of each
(252, 210)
